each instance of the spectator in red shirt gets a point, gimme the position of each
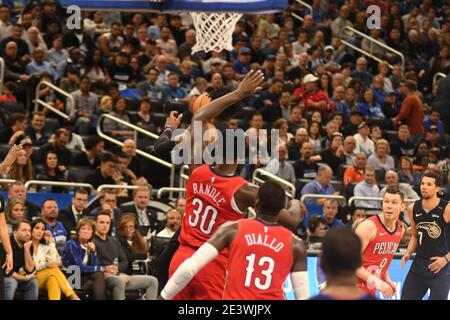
(314, 98)
(8, 92)
(411, 112)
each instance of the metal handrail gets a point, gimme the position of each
(138, 151)
(38, 101)
(170, 190)
(354, 198)
(7, 180)
(275, 178)
(305, 5)
(132, 126)
(117, 186)
(183, 176)
(348, 44)
(57, 184)
(2, 74)
(381, 44)
(321, 196)
(438, 75)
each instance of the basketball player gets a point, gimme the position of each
(215, 195)
(380, 236)
(430, 239)
(340, 258)
(262, 254)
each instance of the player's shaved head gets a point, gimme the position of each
(271, 198)
(341, 252)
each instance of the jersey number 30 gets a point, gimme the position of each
(204, 217)
(261, 284)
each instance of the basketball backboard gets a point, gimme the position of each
(247, 6)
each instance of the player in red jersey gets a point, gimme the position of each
(214, 195)
(380, 236)
(262, 254)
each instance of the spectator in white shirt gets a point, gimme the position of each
(363, 141)
(367, 188)
(173, 223)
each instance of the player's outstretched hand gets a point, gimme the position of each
(438, 264)
(251, 83)
(386, 289)
(173, 121)
(405, 259)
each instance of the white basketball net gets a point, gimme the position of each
(214, 30)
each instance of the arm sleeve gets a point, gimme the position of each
(188, 269)
(300, 284)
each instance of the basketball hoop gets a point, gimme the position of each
(214, 30)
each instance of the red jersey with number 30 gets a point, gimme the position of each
(260, 261)
(380, 251)
(209, 204)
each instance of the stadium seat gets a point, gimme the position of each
(51, 124)
(390, 135)
(79, 173)
(379, 174)
(159, 118)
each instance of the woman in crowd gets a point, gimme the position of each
(81, 252)
(314, 137)
(382, 159)
(282, 126)
(15, 211)
(334, 154)
(47, 262)
(369, 107)
(52, 172)
(406, 173)
(115, 129)
(94, 67)
(21, 169)
(132, 242)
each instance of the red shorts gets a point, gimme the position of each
(208, 283)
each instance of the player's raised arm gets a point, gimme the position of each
(412, 245)
(249, 85)
(299, 274)
(367, 231)
(204, 255)
(290, 217)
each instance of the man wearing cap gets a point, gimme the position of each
(242, 64)
(363, 141)
(214, 60)
(432, 139)
(356, 117)
(411, 111)
(120, 71)
(314, 98)
(214, 67)
(329, 60)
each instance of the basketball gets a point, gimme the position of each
(200, 101)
